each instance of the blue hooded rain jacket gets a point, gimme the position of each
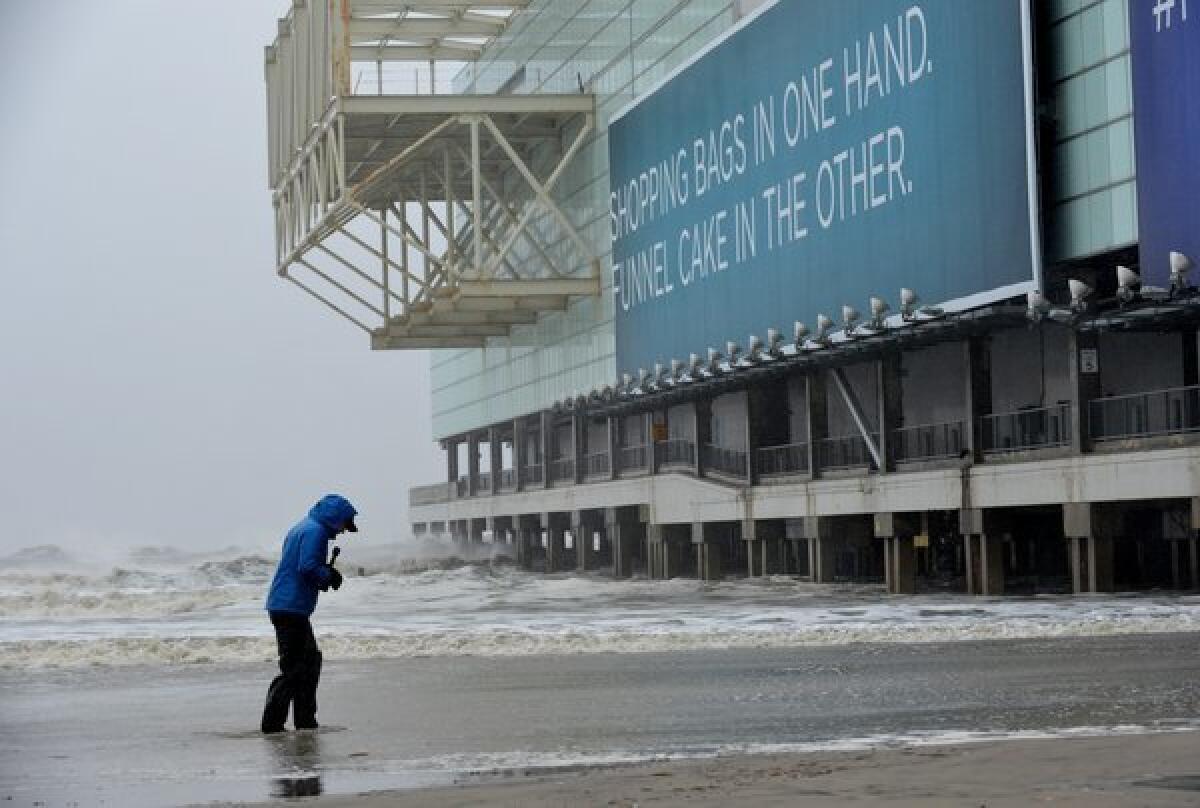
(303, 569)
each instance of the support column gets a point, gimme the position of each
(579, 446)
(614, 447)
(708, 551)
(891, 406)
(1194, 544)
(547, 438)
(1076, 558)
(473, 465)
(991, 564)
(754, 556)
(518, 454)
(905, 554)
(654, 552)
(548, 528)
(820, 547)
(979, 393)
(702, 431)
(1085, 387)
(754, 410)
(970, 527)
(452, 466)
(818, 423)
(1090, 555)
(495, 458)
(899, 553)
(621, 528)
(583, 541)
(1194, 560)
(754, 549)
(651, 455)
(528, 531)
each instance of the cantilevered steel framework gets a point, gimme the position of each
(428, 220)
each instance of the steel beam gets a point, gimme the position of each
(856, 413)
(383, 342)
(542, 104)
(583, 287)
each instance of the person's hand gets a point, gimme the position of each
(335, 578)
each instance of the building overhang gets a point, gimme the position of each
(420, 218)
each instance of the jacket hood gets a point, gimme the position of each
(333, 511)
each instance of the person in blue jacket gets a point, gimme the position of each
(303, 571)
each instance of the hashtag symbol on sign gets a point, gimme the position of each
(1164, 13)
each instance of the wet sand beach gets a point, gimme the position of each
(1145, 770)
(137, 735)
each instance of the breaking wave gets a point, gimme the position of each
(498, 642)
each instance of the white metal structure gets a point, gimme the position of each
(411, 214)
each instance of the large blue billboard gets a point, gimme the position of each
(824, 152)
(1165, 41)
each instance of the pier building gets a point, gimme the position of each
(894, 290)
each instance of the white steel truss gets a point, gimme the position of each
(429, 221)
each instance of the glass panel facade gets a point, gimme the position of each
(617, 49)
(1088, 164)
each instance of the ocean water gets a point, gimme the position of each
(158, 606)
(138, 680)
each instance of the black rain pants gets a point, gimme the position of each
(300, 672)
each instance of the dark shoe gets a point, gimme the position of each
(307, 725)
(272, 729)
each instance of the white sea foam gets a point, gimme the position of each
(540, 762)
(583, 639)
(210, 610)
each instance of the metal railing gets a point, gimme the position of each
(562, 468)
(485, 482)
(533, 474)
(1174, 411)
(725, 460)
(675, 452)
(791, 458)
(435, 494)
(1027, 429)
(846, 452)
(598, 464)
(928, 442)
(632, 458)
(460, 487)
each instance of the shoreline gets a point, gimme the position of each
(1115, 770)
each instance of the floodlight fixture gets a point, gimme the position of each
(754, 353)
(676, 369)
(911, 308)
(799, 334)
(1037, 306)
(824, 327)
(714, 360)
(1129, 284)
(775, 341)
(1181, 265)
(849, 318)
(1080, 292)
(879, 310)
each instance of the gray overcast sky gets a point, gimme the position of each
(158, 383)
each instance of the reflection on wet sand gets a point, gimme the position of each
(297, 759)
